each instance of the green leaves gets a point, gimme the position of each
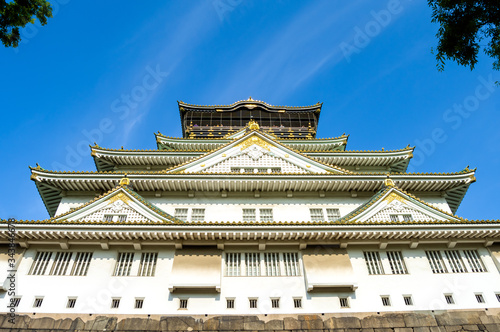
(17, 14)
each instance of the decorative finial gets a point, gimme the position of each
(253, 125)
(125, 181)
(388, 182)
(249, 99)
(122, 147)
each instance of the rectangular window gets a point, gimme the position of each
(252, 303)
(252, 262)
(333, 214)
(396, 262)
(498, 296)
(479, 298)
(275, 303)
(249, 215)
(475, 262)
(233, 261)
(108, 217)
(408, 300)
(71, 302)
(183, 303)
(81, 264)
(181, 214)
(115, 303)
(407, 217)
(38, 302)
(147, 266)
(122, 218)
(272, 260)
(386, 301)
(266, 214)
(455, 261)
(14, 302)
(394, 217)
(317, 214)
(40, 263)
(436, 261)
(297, 303)
(198, 215)
(344, 302)
(230, 303)
(123, 264)
(373, 262)
(449, 298)
(61, 263)
(291, 262)
(139, 303)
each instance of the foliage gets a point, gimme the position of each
(16, 14)
(465, 26)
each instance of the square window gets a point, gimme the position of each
(394, 217)
(249, 215)
(230, 303)
(252, 262)
(122, 218)
(14, 302)
(498, 296)
(373, 262)
(344, 302)
(108, 217)
(123, 264)
(198, 215)
(71, 302)
(449, 298)
(333, 214)
(408, 300)
(436, 261)
(40, 263)
(386, 301)
(479, 298)
(275, 303)
(396, 262)
(266, 214)
(181, 214)
(81, 265)
(115, 303)
(183, 303)
(38, 302)
(252, 303)
(407, 217)
(297, 303)
(139, 303)
(317, 214)
(147, 265)
(475, 262)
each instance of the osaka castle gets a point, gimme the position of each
(250, 213)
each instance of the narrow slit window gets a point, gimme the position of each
(252, 262)
(81, 264)
(333, 214)
(436, 261)
(479, 298)
(475, 262)
(498, 296)
(252, 303)
(61, 263)
(396, 262)
(449, 298)
(147, 266)
(181, 214)
(373, 262)
(230, 303)
(408, 299)
(139, 303)
(272, 261)
(115, 303)
(291, 262)
(198, 215)
(40, 263)
(183, 303)
(38, 302)
(14, 302)
(275, 303)
(344, 302)
(386, 301)
(249, 215)
(123, 264)
(297, 303)
(71, 303)
(455, 261)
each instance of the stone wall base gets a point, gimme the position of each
(422, 321)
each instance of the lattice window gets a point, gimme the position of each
(272, 261)
(373, 262)
(475, 262)
(115, 303)
(394, 217)
(455, 261)
(183, 303)
(233, 264)
(38, 302)
(403, 214)
(291, 263)
(109, 215)
(181, 213)
(14, 302)
(386, 301)
(139, 303)
(249, 215)
(147, 265)
(40, 263)
(297, 303)
(61, 263)
(81, 264)
(317, 215)
(498, 296)
(275, 303)
(71, 302)
(333, 214)
(198, 215)
(252, 263)
(407, 217)
(479, 298)
(396, 262)
(449, 298)
(266, 215)
(108, 218)
(252, 303)
(344, 302)
(230, 303)
(436, 261)
(408, 299)
(124, 264)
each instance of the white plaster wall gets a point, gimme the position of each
(96, 290)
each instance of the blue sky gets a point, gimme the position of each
(87, 76)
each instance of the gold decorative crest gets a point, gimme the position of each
(254, 140)
(119, 197)
(253, 125)
(394, 196)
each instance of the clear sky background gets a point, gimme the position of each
(369, 62)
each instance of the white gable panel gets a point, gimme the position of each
(254, 159)
(116, 209)
(385, 214)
